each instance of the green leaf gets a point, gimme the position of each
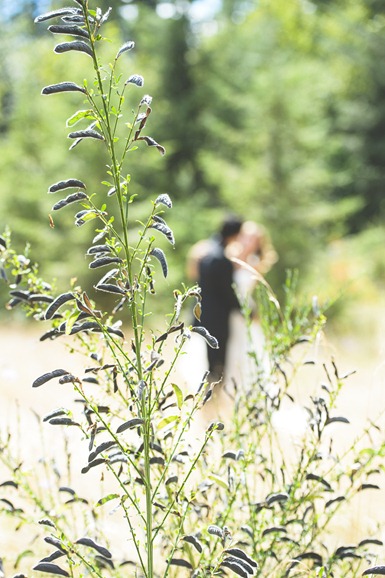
(178, 394)
(167, 420)
(23, 555)
(106, 499)
(71, 322)
(80, 115)
(218, 481)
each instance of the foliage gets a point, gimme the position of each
(222, 500)
(272, 111)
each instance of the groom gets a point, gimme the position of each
(218, 295)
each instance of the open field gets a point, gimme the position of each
(23, 358)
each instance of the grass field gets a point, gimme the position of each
(361, 350)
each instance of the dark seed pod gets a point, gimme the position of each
(109, 288)
(68, 490)
(51, 334)
(235, 567)
(248, 531)
(10, 483)
(67, 184)
(55, 542)
(231, 455)
(63, 87)
(152, 143)
(339, 419)
(127, 46)
(103, 261)
(57, 303)
(86, 215)
(368, 487)
(379, 570)
(212, 341)
(63, 421)
(93, 464)
(241, 562)
(171, 480)
(180, 562)
(70, 199)
(319, 479)
(108, 276)
(208, 395)
(159, 254)
(37, 298)
(334, 501)
(147, 99)
(71, 30)
(370, 541)
(77, 45)
(98, 249)
(165, 230)
(76, 19)
(48, 376)
(88, 133)
(164, 200)
(75, 143)
(91, 544)
(105, 16)
(101, 448)
(100, 236)
(54, 556)
(3, 242)
(21, 295)
(47, 522)
(87, 326)
(56, 13)
(136, 421)
(238, 553)
(135, 79)
(194, 541)
(215, 530)
(279, 497)
(68, 379)
(157, 460)
(90, 380)
(50, 568)
(56, 413)
(273, 530)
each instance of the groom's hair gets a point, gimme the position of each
(230, 227)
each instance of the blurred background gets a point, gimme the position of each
(271, 109)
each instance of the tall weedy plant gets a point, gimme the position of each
(135, 421)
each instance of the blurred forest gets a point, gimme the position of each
(271, 109)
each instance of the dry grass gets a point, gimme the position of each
(23, 358)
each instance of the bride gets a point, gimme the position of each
(253, 256)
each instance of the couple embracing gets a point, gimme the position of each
(216, 264)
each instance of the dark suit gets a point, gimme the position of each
(218, 300)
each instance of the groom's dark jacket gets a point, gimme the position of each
(218, 296)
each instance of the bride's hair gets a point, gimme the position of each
(258, 248)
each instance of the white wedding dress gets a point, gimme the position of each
(246, 356)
